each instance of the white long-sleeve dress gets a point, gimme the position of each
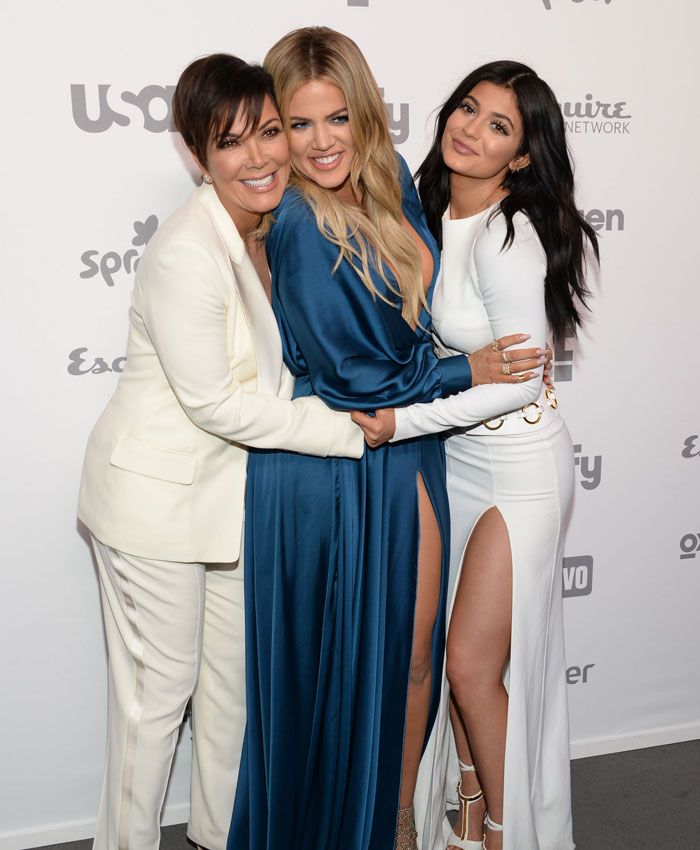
(522, 463)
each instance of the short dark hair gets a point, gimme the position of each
(211, 92)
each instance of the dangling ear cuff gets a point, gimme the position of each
(207, 179)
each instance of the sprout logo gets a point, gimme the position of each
(111, 262)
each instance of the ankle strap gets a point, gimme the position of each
(466, 768)
(492, 825)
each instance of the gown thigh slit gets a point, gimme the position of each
(331, 548)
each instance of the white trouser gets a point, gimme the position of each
(174, 631)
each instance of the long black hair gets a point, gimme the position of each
(544, 190)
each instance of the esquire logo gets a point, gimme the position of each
(82, 363)
(97, 114)
(109, 263)
(690, 545)
(577, 576)
(590, 467)
(691, 446)
(590, 116)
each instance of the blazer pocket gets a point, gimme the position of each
(153, 462)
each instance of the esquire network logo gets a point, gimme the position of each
(577, 576)
(82, 363)
(691, 447)
(154, 103)
(589, 116)
(108, 264)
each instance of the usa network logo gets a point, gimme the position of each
(153, 102)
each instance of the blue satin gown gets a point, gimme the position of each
(331, 549)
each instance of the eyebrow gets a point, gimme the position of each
(495, 114)
(237, 136)
(331, 115)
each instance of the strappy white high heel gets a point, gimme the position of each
(493, 826)
(458, 837)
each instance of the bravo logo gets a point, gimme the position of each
(577, 576)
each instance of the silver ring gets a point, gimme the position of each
(505, 358)
(505, 368)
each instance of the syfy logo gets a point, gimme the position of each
(155, 105)
(153, 102)
(577, 576)
(563, 361)
(596, 116)
(690, 545)
(548, 3)
(578, 675)
(79, 365)
(690, 447)
(108, 264)
(590, 467)
(604, 219)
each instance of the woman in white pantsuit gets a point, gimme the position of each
(497, 189)
(164, 473)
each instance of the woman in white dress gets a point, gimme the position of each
(497, 189)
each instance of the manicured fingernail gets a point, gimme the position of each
(540, 351)
(523, 337)
(541, 360)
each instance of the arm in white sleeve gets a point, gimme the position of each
(511, 282)
(182, 296)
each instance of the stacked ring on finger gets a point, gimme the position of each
(505, 368)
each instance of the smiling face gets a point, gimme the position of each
(249, 169)
(320, 141)
(484, 134)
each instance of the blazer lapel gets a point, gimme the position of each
(258, 312)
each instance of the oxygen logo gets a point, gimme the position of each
(590, 467)
(690, 545)
(589, 116)
(577, 576)
(79, 364)
(691, 447)
(111, 262)
(153, 102)
(604, 219)
(578, 675)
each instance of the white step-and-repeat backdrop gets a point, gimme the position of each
(90, 169)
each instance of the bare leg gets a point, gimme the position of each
(471, 784)
(427, 599)
(477, 648)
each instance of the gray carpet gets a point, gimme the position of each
(641, 800)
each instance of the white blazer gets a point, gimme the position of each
(165, 465)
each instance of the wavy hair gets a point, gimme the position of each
(369, 237)
(544, 190)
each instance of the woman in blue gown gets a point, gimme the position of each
(337, 552)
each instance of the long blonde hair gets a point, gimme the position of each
(314, 53)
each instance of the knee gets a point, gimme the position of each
(467, 675)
